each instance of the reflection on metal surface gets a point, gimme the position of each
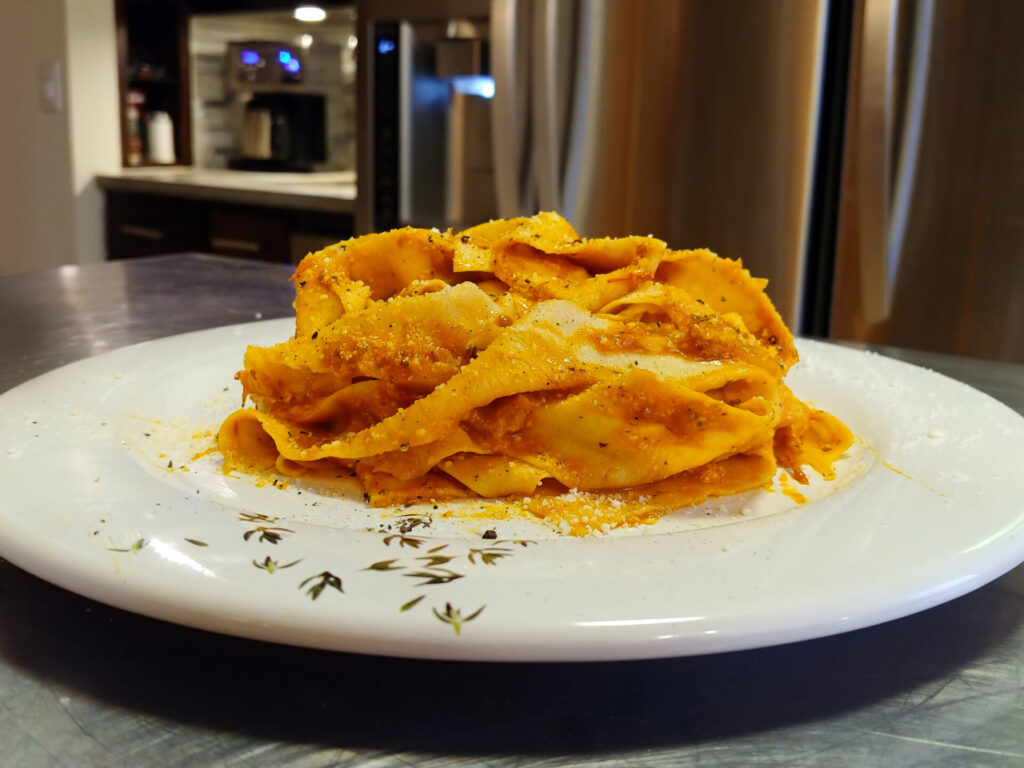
(54, 317)
(90, 335)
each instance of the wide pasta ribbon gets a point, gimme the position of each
(517, 358)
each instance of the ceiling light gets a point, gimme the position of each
(310, 13)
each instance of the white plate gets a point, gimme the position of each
(90, 504)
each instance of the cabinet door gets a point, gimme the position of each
(250, 234)
(150, 225)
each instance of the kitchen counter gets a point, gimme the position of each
(84, 684)
(332, 192)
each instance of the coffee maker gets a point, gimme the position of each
(281, 132)
(282, 125)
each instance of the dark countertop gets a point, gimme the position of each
(83, 684)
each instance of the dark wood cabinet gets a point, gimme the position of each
(252, 235)
(149, 225)
(138, 225)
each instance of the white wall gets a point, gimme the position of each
(50, 210)
(36, 207)
(94, 113)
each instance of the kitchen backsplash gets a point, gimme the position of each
(330, 52)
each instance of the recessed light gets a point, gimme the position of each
(310, 13)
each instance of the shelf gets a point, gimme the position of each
(137, 82)
(152, 39)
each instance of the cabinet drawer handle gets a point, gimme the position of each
(146, 232)
(237, 245)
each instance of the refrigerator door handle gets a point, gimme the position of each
(912, 111)
(871, 140)
(509, 62)
(584, 136)
(554, 24)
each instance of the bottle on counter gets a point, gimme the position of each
(160, 138)
(136, 100)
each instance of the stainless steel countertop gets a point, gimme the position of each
(83, 684)
(330, 192)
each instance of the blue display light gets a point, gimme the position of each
(292, 65)
(385, 45)
(284, 56)
(250, 58)
(474, 85)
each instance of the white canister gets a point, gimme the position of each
(160, 138)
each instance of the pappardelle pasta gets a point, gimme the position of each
(516, 360)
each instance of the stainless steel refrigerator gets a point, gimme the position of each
(930, 228)
(866, 156)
